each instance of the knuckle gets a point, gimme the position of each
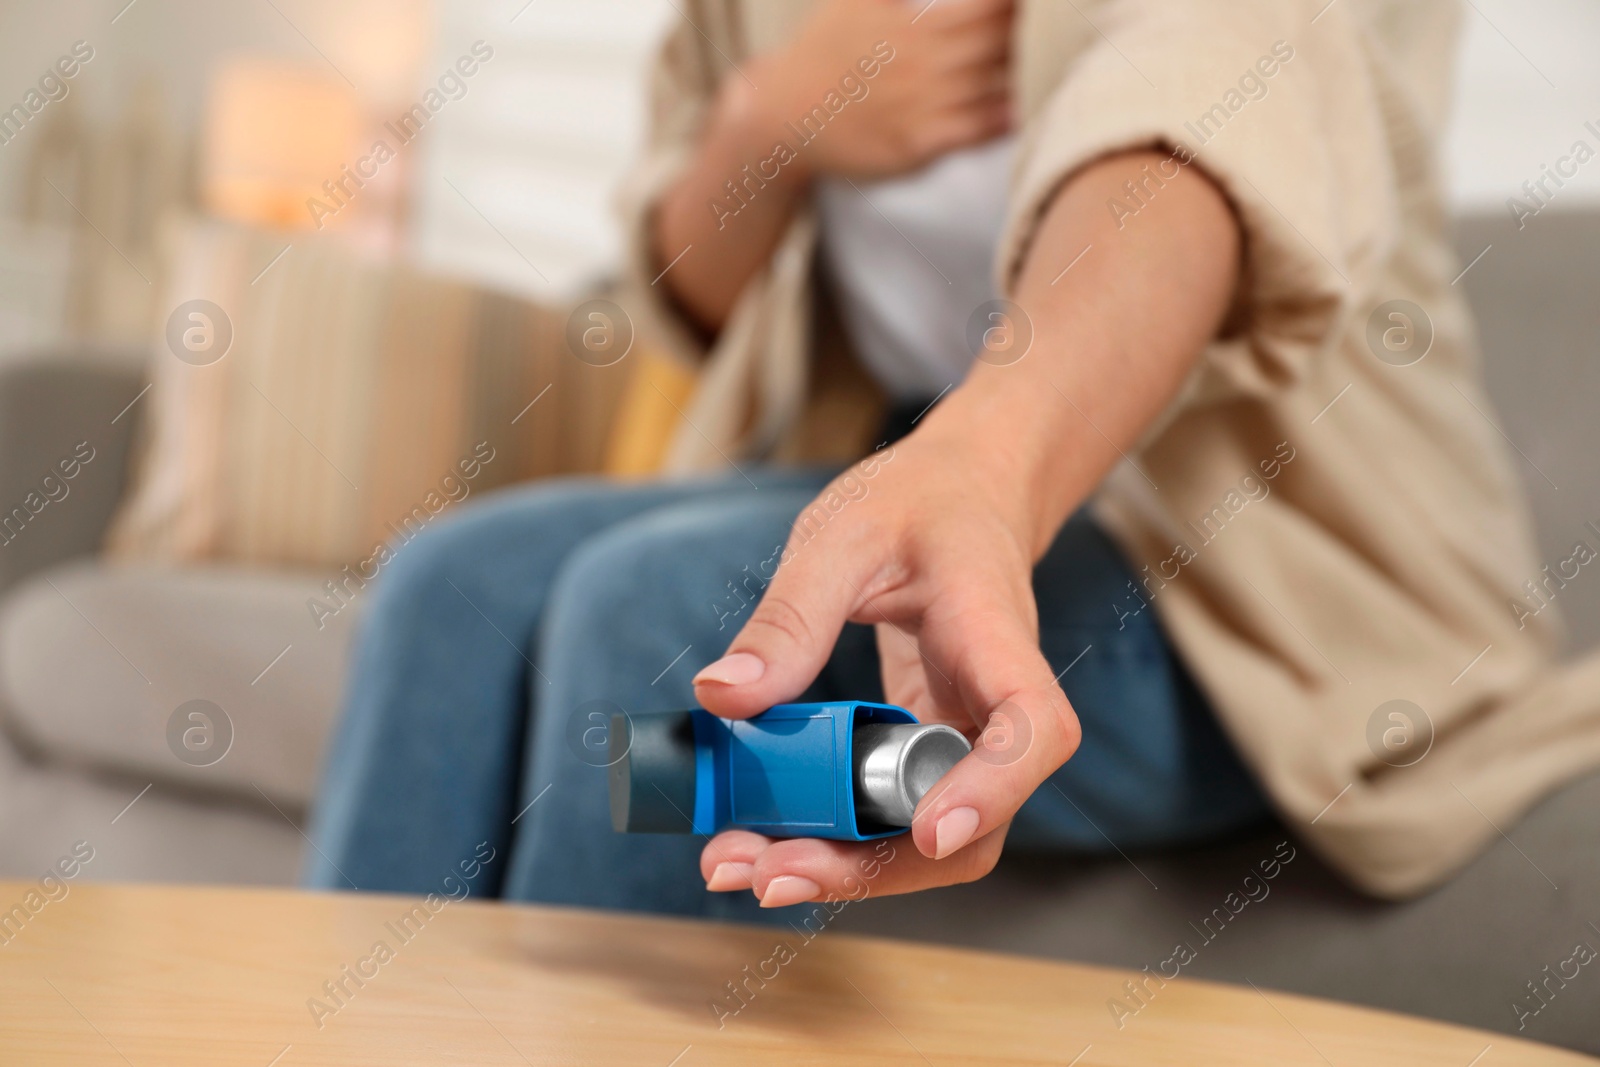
(1065, 725)
(778, 616)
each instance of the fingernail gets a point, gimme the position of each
(739, 668)
(730, 876)
(789, 889)
(953, 830)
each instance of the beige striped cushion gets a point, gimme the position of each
(353, 392)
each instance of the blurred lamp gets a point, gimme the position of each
(274, 133)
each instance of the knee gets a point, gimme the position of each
(610, 578)
(419, 564)
(692, 570)
(455, 553)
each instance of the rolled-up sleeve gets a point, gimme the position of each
(680, 96)
(751, 377)
(1281, 112)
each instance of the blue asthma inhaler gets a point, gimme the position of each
(848, 771)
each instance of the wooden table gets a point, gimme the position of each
(137, 975)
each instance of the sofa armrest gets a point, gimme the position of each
(66, 428)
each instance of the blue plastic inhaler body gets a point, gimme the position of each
(796, 770)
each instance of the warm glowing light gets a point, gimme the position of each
(274, 132)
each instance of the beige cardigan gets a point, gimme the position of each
(1385, 558)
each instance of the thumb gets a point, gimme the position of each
(788, 638)
(1028, 728)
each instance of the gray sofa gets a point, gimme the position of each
(94, 661)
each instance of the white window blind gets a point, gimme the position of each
(516, 181)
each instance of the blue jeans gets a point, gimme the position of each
(488, 635)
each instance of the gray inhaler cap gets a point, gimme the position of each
(652, 773)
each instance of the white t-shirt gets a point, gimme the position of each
(909, 261)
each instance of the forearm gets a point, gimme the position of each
(728, 244)
(901, 89)
(939, 556)
(1114, 338)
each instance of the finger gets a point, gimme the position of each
(983, 45)
(1028, 729)
(908, 684)
(955, 15)
(973, 87)
(788, 638)
(805, 869)
(964, 126)
(728, 860)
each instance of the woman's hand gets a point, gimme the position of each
(917, 80)
(938, 81)
(938, 553)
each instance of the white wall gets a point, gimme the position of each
(175, 42)
(1509, 119)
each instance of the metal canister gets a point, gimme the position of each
(896, 763)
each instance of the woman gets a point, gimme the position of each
(1220, 313)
